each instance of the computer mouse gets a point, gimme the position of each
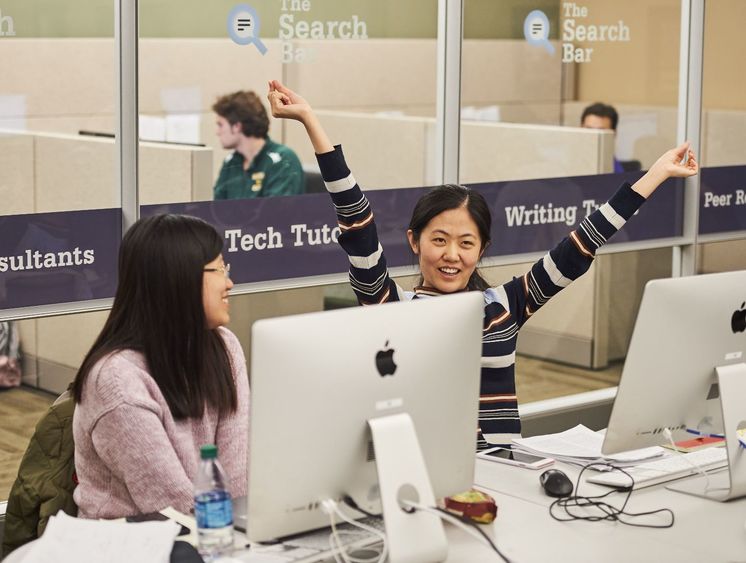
(555, 483)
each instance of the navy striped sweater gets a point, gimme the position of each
(506, 307)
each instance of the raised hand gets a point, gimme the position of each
(286, 104)
(679, 162)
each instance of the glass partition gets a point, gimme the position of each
(369, 70)
(562, 102)
(60, 218)
(722, 212)
(59, 221)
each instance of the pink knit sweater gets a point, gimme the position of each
(132, 457)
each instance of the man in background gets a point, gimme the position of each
(258, 167)
(602, 116)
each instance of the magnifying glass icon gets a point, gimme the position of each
(243, 27)
(536, 30)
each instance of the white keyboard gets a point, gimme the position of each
(669, 468)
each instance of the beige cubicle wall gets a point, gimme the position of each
(365, 76)
(17, 179)
(645, 132)
(56, 172)
(182, 77)
(383, 151)
(396, 151)
(510, 151)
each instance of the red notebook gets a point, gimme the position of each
(695, 444)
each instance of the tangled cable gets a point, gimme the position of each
(605, 511)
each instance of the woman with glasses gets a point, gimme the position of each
(163, 378)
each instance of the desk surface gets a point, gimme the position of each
(704, 530)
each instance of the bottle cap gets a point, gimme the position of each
(208, 451)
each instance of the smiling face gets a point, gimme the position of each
(228, 135)
(448, 249)
(215, 288)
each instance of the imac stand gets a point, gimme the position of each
(413, 537)
(729, 484)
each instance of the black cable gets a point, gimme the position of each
(609, 512)
(473, 524)
(349, 501)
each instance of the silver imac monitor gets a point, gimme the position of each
(333, 397)
(683, 364)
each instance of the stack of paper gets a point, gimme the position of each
(68, 539)
(581, 445)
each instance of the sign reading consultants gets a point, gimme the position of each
(58, 257)
(290, 237)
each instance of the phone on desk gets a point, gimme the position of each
(156, 517)
(511, 457)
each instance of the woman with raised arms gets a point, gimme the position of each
(448, 232)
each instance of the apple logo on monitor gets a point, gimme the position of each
(385, 361)
(738, 320)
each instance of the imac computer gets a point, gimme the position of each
(379, 403)
(685, 371)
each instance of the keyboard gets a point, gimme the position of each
(667, 469)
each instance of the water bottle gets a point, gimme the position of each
(213, 508)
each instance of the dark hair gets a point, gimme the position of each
(452, 196)
(601, 110)
(246, 108)
(158, 311)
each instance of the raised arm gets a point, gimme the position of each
(369, 276)
(286, 104)
(572, 257)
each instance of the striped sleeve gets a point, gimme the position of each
(572, 257)
(359, 238)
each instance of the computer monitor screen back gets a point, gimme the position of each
(685, 328)
(317, 378)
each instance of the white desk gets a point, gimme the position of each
(703, 531)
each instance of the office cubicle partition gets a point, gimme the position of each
(498, 105)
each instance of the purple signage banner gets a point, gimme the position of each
(58, 257)
(722, 205)
(281, 238)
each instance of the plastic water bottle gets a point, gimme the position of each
(213, 507)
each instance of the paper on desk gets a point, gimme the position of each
(77, 540)
(582, 445)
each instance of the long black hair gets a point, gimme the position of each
(452, 196)
(158, 311)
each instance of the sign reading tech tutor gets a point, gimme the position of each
(279, 238)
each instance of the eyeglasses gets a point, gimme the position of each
(225, 270)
